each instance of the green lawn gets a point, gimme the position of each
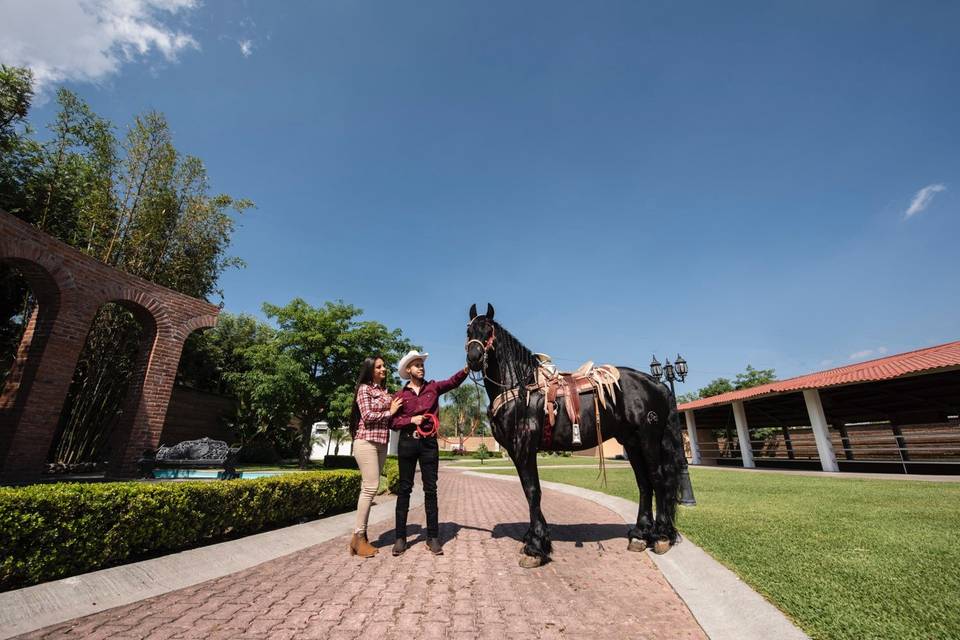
(844, 557)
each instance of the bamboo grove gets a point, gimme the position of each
(132, 201)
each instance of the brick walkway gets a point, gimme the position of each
(594, 588)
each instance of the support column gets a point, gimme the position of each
(788, 442)
(743, 434)
(821, 431)
(33, 398)
(901, 441)
(692, 434)
(147, 398)
(845, 440)
(393, 445)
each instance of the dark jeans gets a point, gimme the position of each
(410, 451)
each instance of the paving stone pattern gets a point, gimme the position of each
(594, 588)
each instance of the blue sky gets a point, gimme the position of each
(732, 180)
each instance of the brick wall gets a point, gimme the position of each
(196, 414)
(70, 288)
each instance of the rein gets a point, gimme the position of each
(434, 426)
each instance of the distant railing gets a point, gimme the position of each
(878, 441)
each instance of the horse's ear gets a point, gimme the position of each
(489, 311)
(473, 311)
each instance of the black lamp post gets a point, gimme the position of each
(676, 371)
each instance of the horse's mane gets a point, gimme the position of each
(517, 361)
(513, 355)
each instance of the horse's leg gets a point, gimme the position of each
(537, 547)
(641, 536)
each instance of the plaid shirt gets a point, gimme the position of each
(374, 425)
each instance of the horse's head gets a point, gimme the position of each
(480, 336)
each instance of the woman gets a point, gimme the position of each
(370, 428)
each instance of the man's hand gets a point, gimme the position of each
(417, 420)
(466, 369)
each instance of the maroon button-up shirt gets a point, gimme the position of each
(428, 401)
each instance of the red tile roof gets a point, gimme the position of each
(902, 364)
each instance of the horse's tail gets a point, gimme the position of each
(671, 467)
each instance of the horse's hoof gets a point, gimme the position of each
(637, 544)
(530, 562)
(660, 547)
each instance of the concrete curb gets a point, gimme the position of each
(725, 606)
(42, 605)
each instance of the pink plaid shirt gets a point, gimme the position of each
(374, 403)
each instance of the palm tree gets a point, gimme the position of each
(466, 411)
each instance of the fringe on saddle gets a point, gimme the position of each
(601, 381)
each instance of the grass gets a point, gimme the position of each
(845, 558)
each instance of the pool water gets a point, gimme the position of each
(213, 474)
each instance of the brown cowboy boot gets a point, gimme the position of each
(359, 546)
(364, 548)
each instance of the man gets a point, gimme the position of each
(419, 397)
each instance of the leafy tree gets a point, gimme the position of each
(462, 413)
(211, 355)
(482, 452)
(16, 92)
(268, 391)
(135, 203)
(715, 387)
(754, 378)
(329, 344)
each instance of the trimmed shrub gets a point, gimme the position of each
(391, 469)
(52, 531)
(340, 462)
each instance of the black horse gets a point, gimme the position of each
(642, 417)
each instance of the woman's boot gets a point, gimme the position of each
(359, 545)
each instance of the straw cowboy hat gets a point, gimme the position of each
(405, 361)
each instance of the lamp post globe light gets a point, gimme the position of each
(676, 371)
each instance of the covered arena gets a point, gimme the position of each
(897, 414)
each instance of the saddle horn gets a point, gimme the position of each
(489, 311)
(473, 311)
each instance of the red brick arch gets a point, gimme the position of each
(70, 288)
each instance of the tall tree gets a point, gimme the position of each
(329, 343)
(754, 378)
(136, 204)
(463, 413)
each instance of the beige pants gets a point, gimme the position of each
(370, 457)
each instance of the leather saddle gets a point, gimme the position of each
(568, 385)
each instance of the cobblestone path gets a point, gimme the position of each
(593, 588)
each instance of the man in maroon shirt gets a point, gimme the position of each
(419, 397)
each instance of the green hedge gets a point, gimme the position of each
(53, 531)
(391, 469)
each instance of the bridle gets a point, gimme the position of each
(486, 346)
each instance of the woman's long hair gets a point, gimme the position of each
(365, 377)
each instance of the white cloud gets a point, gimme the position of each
(88, 40)
(246, 48)
(826, 363)
(866, 353)
(923, 198)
